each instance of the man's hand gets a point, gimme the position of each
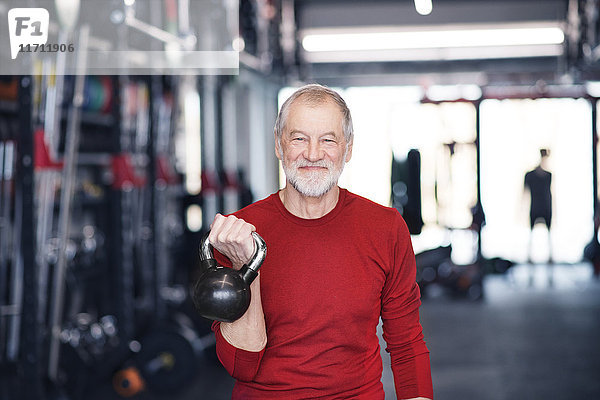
(232, 237)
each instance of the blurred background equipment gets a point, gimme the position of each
(115, 157)
(406, 190)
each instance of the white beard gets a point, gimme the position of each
(312, 183)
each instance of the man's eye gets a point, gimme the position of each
(298, 139)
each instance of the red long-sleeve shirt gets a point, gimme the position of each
(324, 285)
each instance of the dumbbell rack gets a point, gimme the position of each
(134, 185)
(127, 215)
(21, 347)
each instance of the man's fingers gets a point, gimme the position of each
(231, 236)
(215, 228)
(229, 230)
(217, 217)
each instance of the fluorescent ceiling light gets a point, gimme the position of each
(465, 36)
(457, 53)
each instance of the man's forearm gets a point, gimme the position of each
(249, 332)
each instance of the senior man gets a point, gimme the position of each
(336, 264)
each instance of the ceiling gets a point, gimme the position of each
(576, 63)
(275, 44)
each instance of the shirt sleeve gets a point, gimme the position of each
(241, 364)
(402, 330)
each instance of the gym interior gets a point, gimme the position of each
(128, 124)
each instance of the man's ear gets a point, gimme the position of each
(349, 152)
(277, 146)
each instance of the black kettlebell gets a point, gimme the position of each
(222, 293)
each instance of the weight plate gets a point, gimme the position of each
(167, 361)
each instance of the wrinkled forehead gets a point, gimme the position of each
(320, 105)
(314, 100)
(323, 113)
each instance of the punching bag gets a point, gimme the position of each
(406, 190)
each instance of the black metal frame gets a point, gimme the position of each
(30, 352)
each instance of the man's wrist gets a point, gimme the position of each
(227, 331)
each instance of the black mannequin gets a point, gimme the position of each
(538, 182)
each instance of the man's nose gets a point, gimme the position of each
(313, 151)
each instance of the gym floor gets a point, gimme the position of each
(535, 335)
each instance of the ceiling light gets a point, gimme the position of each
(370, 39)
(444, 54)
(423, 7)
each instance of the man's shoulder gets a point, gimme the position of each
(370, 209)
(363, 202)
(376, 220)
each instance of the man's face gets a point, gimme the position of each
(313, 148)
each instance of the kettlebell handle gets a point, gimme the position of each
(260, 251)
